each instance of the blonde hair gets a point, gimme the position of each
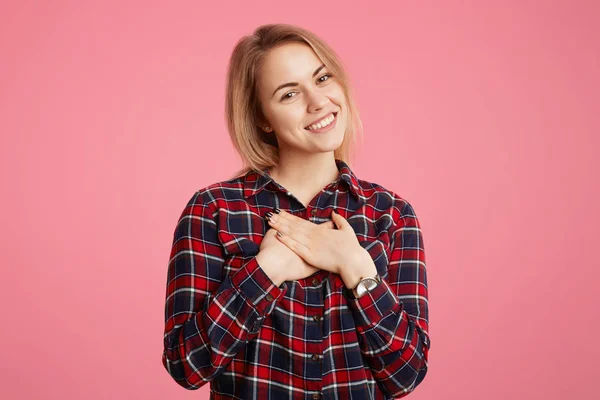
(257, 149)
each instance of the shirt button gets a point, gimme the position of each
(269, 297)
(314, 211)
(315, 282)
(316, 357)
(316, 396)
(317, 318)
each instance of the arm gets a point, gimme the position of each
(392, 319)
(209, 317)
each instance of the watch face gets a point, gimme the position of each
(365, 286)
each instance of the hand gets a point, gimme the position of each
(328, 249)
(280, 263)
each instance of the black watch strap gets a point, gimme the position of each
(348, 293)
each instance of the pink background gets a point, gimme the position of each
(484, 115)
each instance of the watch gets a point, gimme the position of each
(366, 285)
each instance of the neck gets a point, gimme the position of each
(305, 174)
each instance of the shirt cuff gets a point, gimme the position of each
(373, 306)
(256, 286)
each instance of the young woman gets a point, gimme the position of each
(295, 279)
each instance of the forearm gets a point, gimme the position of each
(359, 265)
(391, 340)
(273, 271)
(198, 347)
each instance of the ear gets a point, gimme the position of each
(261, 123)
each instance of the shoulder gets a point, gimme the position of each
(387, 199)
(220, 193)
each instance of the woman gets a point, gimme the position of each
(295, 279)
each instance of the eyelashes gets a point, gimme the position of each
(328, 75)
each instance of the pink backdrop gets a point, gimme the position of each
(484, 115)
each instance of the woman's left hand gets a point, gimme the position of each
(319, 244)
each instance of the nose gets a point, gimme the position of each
(317, 101)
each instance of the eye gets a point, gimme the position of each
(328, 75)
(285, 96)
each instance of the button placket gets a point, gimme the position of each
(314, 352)
(256, 326)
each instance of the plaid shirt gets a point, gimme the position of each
(227, 323)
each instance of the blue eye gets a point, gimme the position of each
(328, 75)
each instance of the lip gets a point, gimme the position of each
(328, 127)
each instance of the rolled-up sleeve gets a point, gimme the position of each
(209, 317)
(392, 320)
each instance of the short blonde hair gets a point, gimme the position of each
(257, 149)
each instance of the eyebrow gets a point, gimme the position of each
(296, 83)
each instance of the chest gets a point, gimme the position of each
(241, 232)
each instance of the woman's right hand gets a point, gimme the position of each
(281, 263)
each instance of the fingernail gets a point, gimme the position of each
(268, 215)
(276, 210)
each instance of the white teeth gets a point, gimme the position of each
(323, 124)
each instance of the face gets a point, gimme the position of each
(295, 92)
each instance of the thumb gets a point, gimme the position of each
(338, 220)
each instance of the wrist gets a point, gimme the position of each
(263, 262)
(362, 266)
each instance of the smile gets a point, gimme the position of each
(324, 125)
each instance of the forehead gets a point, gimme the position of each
(289, 62)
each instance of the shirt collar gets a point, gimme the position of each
(255, 182)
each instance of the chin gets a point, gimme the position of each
(330, 145)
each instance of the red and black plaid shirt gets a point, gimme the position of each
(227, 323)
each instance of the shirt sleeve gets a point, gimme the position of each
(209, 317)
(392, 320)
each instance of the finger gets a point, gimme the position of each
(295, 246)
(291, 219)
(339, 221)
(290, 224)
(328, 224)
(291, 230)
(279, 224)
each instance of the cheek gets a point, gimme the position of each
(290, 118)
(337, 92)
(345, 118)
